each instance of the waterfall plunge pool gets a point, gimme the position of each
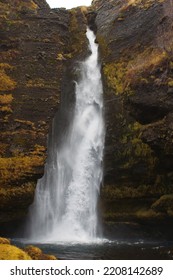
(107, 250)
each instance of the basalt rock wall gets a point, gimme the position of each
(136, 49)
(39, 48)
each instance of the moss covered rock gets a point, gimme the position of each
(10, 252)
(136, 51)
(38, 47)
(164, 205)
(36, 254)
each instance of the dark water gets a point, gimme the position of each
(109, 250)
(122, 242)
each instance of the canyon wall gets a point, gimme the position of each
(38, 46)
(136, 46)
(40, 49)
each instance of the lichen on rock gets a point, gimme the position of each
(32, 85)
(136, 51)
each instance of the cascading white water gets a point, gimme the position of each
(65, 206)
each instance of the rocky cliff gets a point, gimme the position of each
(38, 46)
(136, 46)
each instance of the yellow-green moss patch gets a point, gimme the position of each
(170, 83)
(78, 37)
(36, 254)
(9, 196)
(6, 82)
(142, 4)
(113, 192)
(10, 252)
(115, 75)
(6, 99)
(16, 168)
(122, 75)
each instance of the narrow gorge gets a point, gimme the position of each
(43, 75)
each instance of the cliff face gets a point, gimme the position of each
(136, 46)
(39, 49)
(38, 46)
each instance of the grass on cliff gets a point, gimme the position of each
(5, 103)
(11, 195)
(6, 99)
(121, 76)
(142, 4)
(16, 168)
(78, 37)
(6, 82)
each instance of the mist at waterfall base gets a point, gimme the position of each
(65, 206)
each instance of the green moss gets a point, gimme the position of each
(140, 67)
(31, 5)
(142, 4)
(6, 99)
(105, 51)
(36, 254)
(42, 83)
(5, 103)
(6, 109)
(26, 123)
(6, 83)
(142, 214)
(113, 192)
(60, 57)
(123, 75)
(9, 196)
(16, 168)
(170, 83)
(78, 38)
(134, 150)
(171, 65)
(115, 74)
(9, 252)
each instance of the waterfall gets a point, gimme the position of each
(65, 205)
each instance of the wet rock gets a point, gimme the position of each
(136, 51)
(33, 82)
(164, 205)
(36, 254)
